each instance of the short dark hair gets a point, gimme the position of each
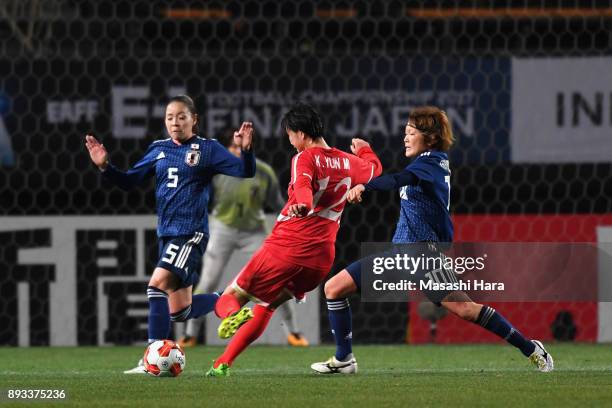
(188, 102)
(305, 118)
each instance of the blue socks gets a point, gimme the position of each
(496, 323)
(159, 311)
(203, 304)
(340, 320)
(159, 314)
(200, 305)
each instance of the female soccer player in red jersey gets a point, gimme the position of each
(299, 252)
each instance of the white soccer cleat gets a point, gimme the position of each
(334, 366)
(139, 369)
(541, 358)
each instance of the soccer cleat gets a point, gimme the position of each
(541, 358)
(297, 340)
(333, 366)
(139, 369)
(230, 325)
(222, 371)
(187, 341)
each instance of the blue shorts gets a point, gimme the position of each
(182, 256)
(435, 296)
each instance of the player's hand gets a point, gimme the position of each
(354, 195)
(297, 210)
(97, 151)
(357, 144)
(243, 137)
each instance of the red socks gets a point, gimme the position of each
(246, 334)
(226, 306)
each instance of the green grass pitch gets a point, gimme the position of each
(402, 376)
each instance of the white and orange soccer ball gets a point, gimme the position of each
(164, 358)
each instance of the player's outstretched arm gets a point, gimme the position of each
(392, 181)
(243, 137)
(97, 152)
(226, 163)
(125, 180)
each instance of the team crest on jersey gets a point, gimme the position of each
(192, 158)
(444, 164)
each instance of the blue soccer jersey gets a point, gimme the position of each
(424, 189)
(424, 213)
(183, 173)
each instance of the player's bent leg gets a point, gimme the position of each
(164, 280)
(462, 306)
(247, 334)
(218, 252)
(228, 308)
(201, 304)
(340, 286)
(339, 311)
(489, 319)
(184, 306)
(180, 300)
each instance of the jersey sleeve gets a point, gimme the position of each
(135, 175)
(302, 176)
(423, 168)
(392, 181)
(222, 161)
(366, 165)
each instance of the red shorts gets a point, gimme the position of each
(265, 276)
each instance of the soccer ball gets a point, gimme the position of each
(164, 358)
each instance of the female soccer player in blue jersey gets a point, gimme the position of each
(424, 189)
(184, 165)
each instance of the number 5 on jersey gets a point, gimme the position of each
(170, 253)
(172, 176)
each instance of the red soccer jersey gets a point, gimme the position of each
(320, 178)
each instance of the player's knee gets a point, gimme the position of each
(160, 283)
(182, 315)
(332, 289)
(464, 310)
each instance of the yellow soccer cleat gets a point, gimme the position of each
(230, 325)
